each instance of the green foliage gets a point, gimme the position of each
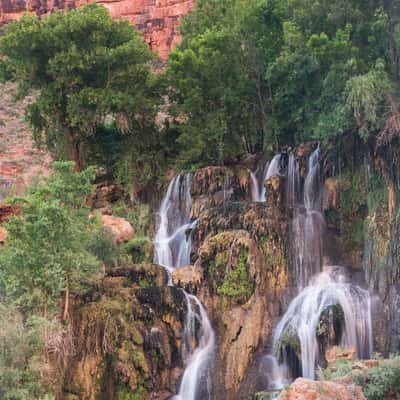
(94, 80)
(380, 382)
(140, 249)
(251, 75)
(51, 243)
(365, 95)
(237, 282)
(126, 394)
(22, 365)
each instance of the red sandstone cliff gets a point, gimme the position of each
(158, 19)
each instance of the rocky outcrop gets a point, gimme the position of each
(158, 20)
(189, 278)
(126, 338)
(305, 389)
(20, 161)
(216, 186)
(121, 230)
(241, 251)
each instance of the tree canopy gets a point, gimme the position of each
(50, 246)
(92, 74)
(253, 75)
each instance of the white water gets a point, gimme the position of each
(172, 244)
(308, 222)
(254, 187)
(293, 181)
(257, 187)
(272, 170)
(318, 289)
(302, 318)
(199, 358)
(172, 247)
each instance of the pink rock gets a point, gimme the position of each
(306, 389)
(121, 230)
(159, 20)
(3, 234)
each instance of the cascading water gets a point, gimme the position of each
(172, 243)
(172, 247)
(319, 289)
(301, 320)
(308, 222)
(257, 187)
(274, 168)
(254, 187)
(293, 182)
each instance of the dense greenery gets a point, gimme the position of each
(379, 382)
(22, 364)
(49, 249)
(95, 85)
(249, 76)
(255, 74)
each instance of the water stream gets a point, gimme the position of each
(257, 187)
(172, 247)
(321, 289)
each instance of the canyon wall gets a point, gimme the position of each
(157, 19)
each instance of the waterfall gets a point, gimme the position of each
(293, 182)
(172, 247)
(257, 188)
(308, 222)
(329, 288)
(254, 187)
(319, 289)
(199, 358)
(273, 169)
(172, 244)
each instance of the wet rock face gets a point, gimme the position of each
(126, 340)
(158, 20)
(216, 186)
(241, 251)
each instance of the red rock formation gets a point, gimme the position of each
(20, 161)
(158, 19)
(121, 230)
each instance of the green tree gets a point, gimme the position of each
(92, 72)
(254, 75)
(49, 249)
(22, 363)
(220, 96)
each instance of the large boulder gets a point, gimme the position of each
(306, 389)
(120, 229)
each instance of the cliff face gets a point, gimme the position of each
(157, 19)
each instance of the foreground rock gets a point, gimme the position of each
(120, 229)
(305, 389)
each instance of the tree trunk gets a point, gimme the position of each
(73, 145)
(66, 305)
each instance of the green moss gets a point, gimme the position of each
(288, 340)
(147, 281)
(140, 249)
(237, 282)
(125, 393)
